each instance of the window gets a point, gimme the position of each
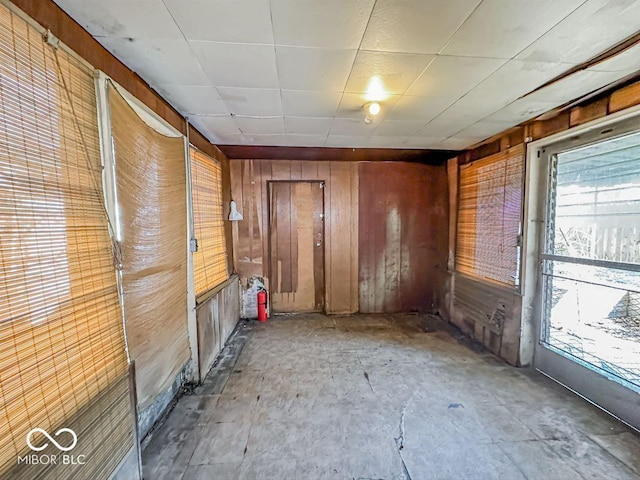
(151, 181)
(210, 261)
(489, 217)
(591, 258)
(63, 360)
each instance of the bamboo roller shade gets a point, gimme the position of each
(151, 189)
(61, 336)
(489, 216)
(210, 261)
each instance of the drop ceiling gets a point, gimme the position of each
(295, 72)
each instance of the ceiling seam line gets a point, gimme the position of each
(203, 71)
(275, 57)
(512, 58)
(551, 28)
(355, 58)
(461, 25)
(445, 46)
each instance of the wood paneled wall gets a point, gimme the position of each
(250, 236)
(403, 236)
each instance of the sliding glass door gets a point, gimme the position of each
(590, 271)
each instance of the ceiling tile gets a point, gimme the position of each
(627, 61)
(285, 140)
(575, 86)
(194, 99)
(305, 140)
(298, 103)
(260, 125)
(484, 129)
(230, 77)
(421, 142)
(393, 128)
(381, 141)
(500, 29)
(238, 139)
(316, 69)
(118, 19)
(219, 130)
(222, 125)
(348, 141)
(308, 126)
(517, 78)
(520, 111)
(453, 76)
(397, 71)
(252, 101)
(593, 28)
(415, 26)
(511, 81)
(353, 127)
(235, 21)
(352, 106)
(325, 24)
(552, 96)
(441, 129)
(458, 143)
(467, 110)
(420, 108)
(238, 65)
(159, 61)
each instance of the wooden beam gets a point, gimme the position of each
(431, 157)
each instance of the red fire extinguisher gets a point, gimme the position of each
(262, 306)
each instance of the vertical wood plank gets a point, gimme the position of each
(235, 170)
(318, 237)
(309, 170)
(340, 226)
(294, 198)
(365, 249)
(274, 266)
(265, 175)
(354, 274)
(252, 211)
(452, 178)
(281, 169)
(324, 175)
(296, 170)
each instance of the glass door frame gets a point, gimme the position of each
(608, 394)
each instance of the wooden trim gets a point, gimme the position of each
(252, 152)
(206, 296)
(624, 98)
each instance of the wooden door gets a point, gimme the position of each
(296, 246)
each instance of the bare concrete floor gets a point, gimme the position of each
(381, 397)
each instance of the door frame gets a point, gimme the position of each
(607, 394)
(324, 235)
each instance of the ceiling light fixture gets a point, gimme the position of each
(375, 90)
(372, 109)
